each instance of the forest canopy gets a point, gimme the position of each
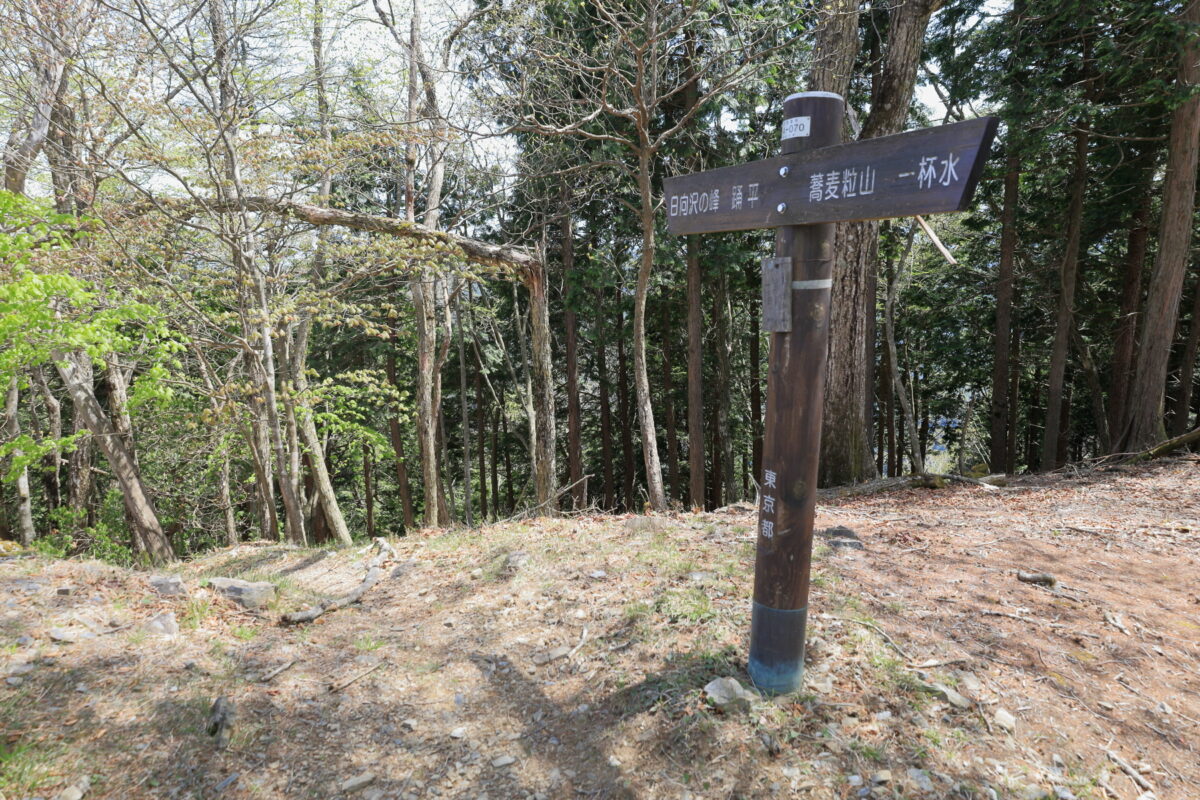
(319, 271)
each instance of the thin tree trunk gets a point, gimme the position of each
(368, 490)
(508, 478)
(1125, 341)
(1092, 375)
(153, 541)
(724, 386)
(52, 463)
(626, 425)
(496, 464)
(481, 418)
(695, 358)
(468, 516)
(641, 379)
(13, 430)
(1187, 372)
(1013, 406)
(1174, 245)
(898, 277)
(756, 420)
(397, 437)
(1002, 337)
(668, 389)
(570, 323)
(606, 439)
(1064, 318)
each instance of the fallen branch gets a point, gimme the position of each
(337, 687)
(1170, 445)
(1129, 770)
(374, 575)
(878, 630)
(267, 676)
(523, 513)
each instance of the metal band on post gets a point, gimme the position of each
(792, 441)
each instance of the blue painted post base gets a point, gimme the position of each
(777, 648)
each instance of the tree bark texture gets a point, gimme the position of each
(1174, 245)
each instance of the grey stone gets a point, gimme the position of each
(921, 778)
(67, 591)
(882, 776)
(358, 782)
(970, 684)
(954, 698)
(503, 761)
(245, 593)
(458, 733)
(409, 724)
(75, 791)
(14, 681)
(515, 560)
(24, 641)
(597, 574)
(168, 585)
(1005, 720)
(1063, 793)
(22, 669)
(729, 693)
(69, 635)
(552, 655)
(163, 624)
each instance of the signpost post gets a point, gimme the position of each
(813, 184)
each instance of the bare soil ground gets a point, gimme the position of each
(566, 658)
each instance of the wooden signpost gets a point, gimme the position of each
(814, 183)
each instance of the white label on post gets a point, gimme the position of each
(796, 127)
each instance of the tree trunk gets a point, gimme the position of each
(695, 360)
(1002, 337)
(426, 329)
(898, 278)
(668, 390)
(641, 378)
(368, 490)
(1014, 389)
(570, 324)
(724, 385)
(545, 473)
(468, 516)
(481, 419)
(1174, 244)
(836, 47)
(153, 541)
(1064, 318)
(1125, 341)
(1181, 407)
(846, 443)
(13, 430)
(626, 424)
(606, 439)
(756, 420)
(397, 437)
(496, 464)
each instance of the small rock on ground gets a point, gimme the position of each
(503, 761)
(728, 692)
(163, 624)
(357, 782)
(245, 593)
(168, 585)
(1005, 720)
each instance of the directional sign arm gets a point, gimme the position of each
(928, 171)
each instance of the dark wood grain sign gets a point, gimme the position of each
(816, 182)
(920, 172)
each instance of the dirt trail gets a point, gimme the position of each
(566, 658)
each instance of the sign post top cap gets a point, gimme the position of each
(798, 95)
